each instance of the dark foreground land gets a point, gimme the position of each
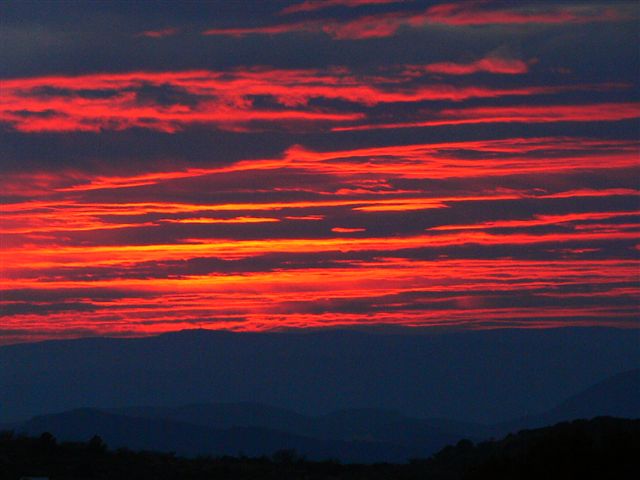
(604, 447)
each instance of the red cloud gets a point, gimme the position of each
(514, 156)
(600, 112)
(80, 246)
(313, 5)
(226, 99)
(269, 303)
(475, 13)
(456, 14)
(219, 98)
(490, 64)
(372, 26)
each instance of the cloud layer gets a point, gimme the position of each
(488, 182)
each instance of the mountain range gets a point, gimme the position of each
(473, 376)
(360, 396)
(358, 435)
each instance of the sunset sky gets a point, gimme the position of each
(261, 165)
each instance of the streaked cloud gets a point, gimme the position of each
(492, 13)
(251, 99)
(314, 5)
(469, 165)
(489, 64)
(460, 14)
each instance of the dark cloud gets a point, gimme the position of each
(80, 38)
(49, 295)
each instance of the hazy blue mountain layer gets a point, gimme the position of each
(480, 377)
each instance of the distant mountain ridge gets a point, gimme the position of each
(356, 435)
(618, 395)
(476, 377)
(255, 430)
(187, 439)
(615, 396)
(378, 424)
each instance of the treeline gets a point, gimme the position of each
(600, 448)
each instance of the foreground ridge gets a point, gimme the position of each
(604, 447)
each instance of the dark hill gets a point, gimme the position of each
(598, 448)
(354, 435)
(370, 425)
(603, 447)
(191, 440)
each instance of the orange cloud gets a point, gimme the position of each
(542, 220)
(396, 286)
(347, 230)
(207, 220)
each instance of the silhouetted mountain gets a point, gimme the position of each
(365, 435)
(603, 447)
(190, 440)
(616, 396)
(485, 376)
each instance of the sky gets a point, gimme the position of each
(271, 165)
